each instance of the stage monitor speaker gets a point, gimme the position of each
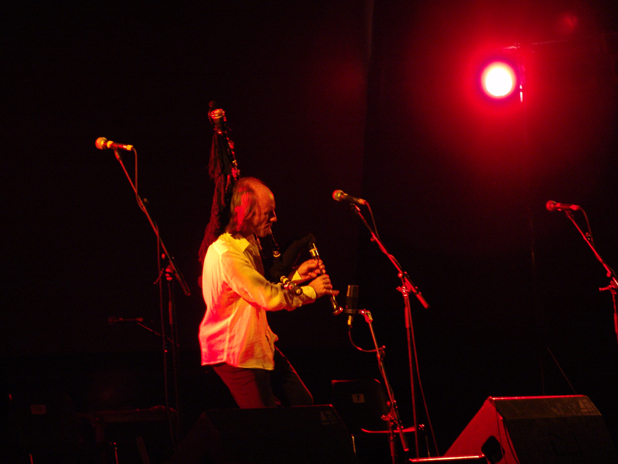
(299, 435)
(458, 460)
(362, 404)
(537, 430)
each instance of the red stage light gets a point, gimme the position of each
(499, 80)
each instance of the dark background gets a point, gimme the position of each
(375, 98)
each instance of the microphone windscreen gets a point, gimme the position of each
(351, 299)
(101, 143)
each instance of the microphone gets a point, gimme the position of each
(102, 144)
(339, 195)
(351, 302)
(111, 320)
(553, 206)
(351, 298)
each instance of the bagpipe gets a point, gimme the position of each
(223, 170)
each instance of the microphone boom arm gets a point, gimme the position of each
(613, 285)
(155, 227)
(407, 285)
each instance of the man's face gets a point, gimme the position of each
(261, 222)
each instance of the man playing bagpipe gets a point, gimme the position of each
(235, 337)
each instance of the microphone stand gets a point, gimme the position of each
(171, 271)
(393, 418)
(613, 284)
(405, 289)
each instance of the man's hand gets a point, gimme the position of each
(323, 286)
(310, 269)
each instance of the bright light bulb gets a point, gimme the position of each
(498, 80)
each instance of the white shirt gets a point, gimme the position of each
(235, 329)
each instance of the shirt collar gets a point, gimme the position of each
(243, 243)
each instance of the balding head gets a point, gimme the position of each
(252, 208)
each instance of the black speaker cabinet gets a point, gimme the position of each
(299, 435)
(537, 430)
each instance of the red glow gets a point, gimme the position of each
(567, 24)
(498, 80)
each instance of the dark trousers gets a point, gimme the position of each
(259, 388)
